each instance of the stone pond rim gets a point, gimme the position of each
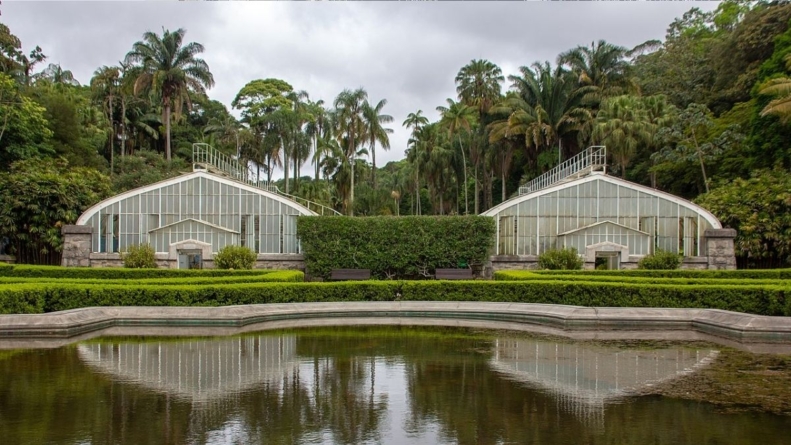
(599, 322)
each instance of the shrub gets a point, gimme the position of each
(402, 247)
(660, 260)
(235, 257)
(560, 259)
(140, 257)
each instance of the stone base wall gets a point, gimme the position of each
(7, 259)
(264, 261)
(530, 262)
(76, 246)
(719, 248)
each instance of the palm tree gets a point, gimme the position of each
(551, 107)
(602, 66)
(227, 131)
(478, 85)
(456, 117)
(171, 71)
(623, 124)
(416, 121)
(316, 128)
(374, 131)
(780, 87)
(349, 106)
(105, 85)
(57, 75)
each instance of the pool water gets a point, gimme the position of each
(359, 385)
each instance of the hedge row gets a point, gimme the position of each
(47, 297)
(273, 276)
(783, 274)
(25, 270)
(632, 278)
(405, 247)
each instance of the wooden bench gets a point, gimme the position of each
(453, 274)
(351, 274)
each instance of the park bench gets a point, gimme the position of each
(453, 274)
(351, 274)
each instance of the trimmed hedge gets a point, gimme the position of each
(632, 278)
(403, 247)
(53, 296)
(24, 270)
(278, 276)
(782, 274)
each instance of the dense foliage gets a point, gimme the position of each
(38, 197)
(140, 257)
(560, 259)
(660, 260)
(235, 257)
(760, 207)
(407, 247)
(705, 106)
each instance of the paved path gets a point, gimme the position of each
(738, 329)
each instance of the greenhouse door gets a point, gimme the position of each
(189, 259)
(608, 260)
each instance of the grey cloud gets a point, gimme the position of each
(408, 52)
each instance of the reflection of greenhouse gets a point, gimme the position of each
(585, 378)
(196, 370)
(606, 219)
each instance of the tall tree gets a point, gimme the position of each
(478, 85)
(623, 125)
(105, 85)
(349, 106)
(375, 131)
(602, 65)
(455, 118)
(170, 70)
(416, 121)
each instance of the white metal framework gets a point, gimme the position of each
(589, 160)
(598, 208)
(207, 158)
(196, 206)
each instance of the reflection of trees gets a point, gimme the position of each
(52, 397)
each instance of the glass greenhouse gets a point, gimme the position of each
(601, 216)
(197, 206)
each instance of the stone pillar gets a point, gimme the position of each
(719, 248)
(76, 246)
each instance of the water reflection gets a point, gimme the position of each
(583, 379)
(394, 385)
(196, 370)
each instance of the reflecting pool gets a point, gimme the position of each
(353, 385)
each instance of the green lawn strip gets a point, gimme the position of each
(48, 297)
(31, 271)
(284, 275)
(521, 276)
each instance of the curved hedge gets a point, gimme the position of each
(403, 247)
(54, 296)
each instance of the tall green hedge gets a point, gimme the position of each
(394, 247)
(54, 296)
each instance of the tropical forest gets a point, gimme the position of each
(704, 114)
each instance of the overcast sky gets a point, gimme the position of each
(406, 52)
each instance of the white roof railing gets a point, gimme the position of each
(591, 159)
(209, 159)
